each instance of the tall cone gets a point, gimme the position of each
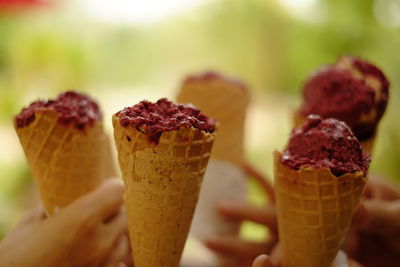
(226, 101)
(162, 186)
(314, 212)
(65, 162)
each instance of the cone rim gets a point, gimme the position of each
(277, 156)
(54, 115)
(207, 136)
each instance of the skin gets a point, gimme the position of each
(242, 252)
(262, 261)
(373, 239)
(91, 231)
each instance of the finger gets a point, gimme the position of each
(378, 217)
(119, 252)
(381, 188)
(36, 215)
(276, 256)
(93, 241)
(101, 203)
(262, 261)
(112, 231)
(237, 248)
(242, 211)
(261, 179)
(118, 225)
(106, 238)
(128, 260)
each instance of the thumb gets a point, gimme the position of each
(380, 217)
(100, 203)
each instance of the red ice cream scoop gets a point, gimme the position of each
(71, 107)
(351, 90)
(164, 115)
(327, 143)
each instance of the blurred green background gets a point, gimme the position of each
(125, 51)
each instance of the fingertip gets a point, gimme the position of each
(112, 187)
(262, 261)
(227, 209)
(214, 243)
(111, 190)
(210, 241)
(262, 257)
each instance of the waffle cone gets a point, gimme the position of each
(162, 187)
(227, 103)
(65, 162)
(367, 145)
(314, 212)
(298, 119)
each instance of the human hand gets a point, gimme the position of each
(234, 250)
(91, 231)
(374, 237)
(241, 252)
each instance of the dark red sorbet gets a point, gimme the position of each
(367, 68)
(162, 116)
(370, 70)
(214, 76)
(325, 143)
(335, 93)
(71, 108)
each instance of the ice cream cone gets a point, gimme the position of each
(226, 101)
(368, 144)
(298, 119)
(314, 210)
(65, 162)
(162, 186)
